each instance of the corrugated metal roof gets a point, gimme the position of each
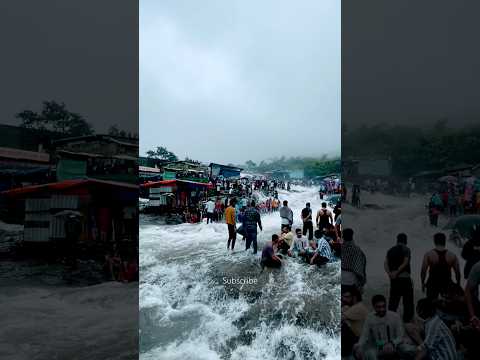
(172, 182)
(17, 154)
(64, 185)
(226, 166)
(149, 169)
(109, 138)
(91, 155)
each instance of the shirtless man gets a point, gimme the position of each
(439, 263)
(324, 217)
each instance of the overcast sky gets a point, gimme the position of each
(229, 81)
(82, 53)
(410, 62)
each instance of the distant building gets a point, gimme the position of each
(101, 157)
(151, 169)
(296, 174)
(103, 205)
(18, 137)
(462, 170)
(278, 174)
(224, 170)
(376, 167)
(151, 162)
(149, 173)
(186, 170)
(170, 194)
(24, 157)
(21, 167)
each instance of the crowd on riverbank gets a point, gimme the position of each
(317, 247)
(247, 185)
(313, 247)
(454, 201)
(442, 324)
(212, 207)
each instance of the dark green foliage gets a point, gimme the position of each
(312, 166)
(413, 149)
(162, 153)
(55, 117)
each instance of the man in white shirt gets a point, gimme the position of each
(299, 244)
(210, 205)
(382, 332)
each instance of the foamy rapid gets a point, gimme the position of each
(187, 311)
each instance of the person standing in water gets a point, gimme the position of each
(286, 214)
(210, 206)
(307, 221)
(230, 218)
(251, 219)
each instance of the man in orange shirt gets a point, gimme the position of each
(230, 220)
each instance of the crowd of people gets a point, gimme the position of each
(243, 190)
(246, 186)
(443, 325)
(214, 209)
(330, 186)
(314, 247)
(454, 200)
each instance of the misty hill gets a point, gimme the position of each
(413, 149)
(311, 166)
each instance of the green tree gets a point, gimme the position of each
(55, 117)
(113, 130)
(162, 153)
(250, 164)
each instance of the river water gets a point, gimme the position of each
(200, 302)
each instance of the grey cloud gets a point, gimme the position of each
(238, 80)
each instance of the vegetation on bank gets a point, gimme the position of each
(55, 119)
(311, 166)
(414, 149)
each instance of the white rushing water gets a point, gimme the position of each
(187, 311)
